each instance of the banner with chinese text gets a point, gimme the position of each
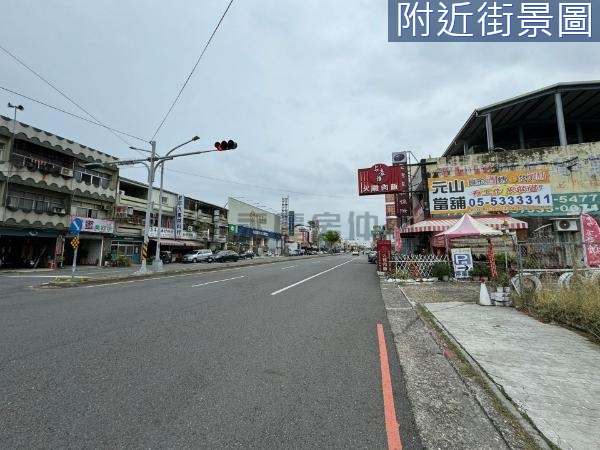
(513, 191)
(591, 236)
(380, 179)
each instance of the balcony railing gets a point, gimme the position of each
(38, 206)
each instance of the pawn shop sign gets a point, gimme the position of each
(380, 179)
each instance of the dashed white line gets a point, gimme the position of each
(310, 278)
(217, 281)
(288, 267)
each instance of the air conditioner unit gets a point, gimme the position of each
(190, 228)
(565, 225)
(57, 210)
(121, 192)
(399, 158)
(130, 210)
(107, 207)
(66, 172)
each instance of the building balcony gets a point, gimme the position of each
(37, 217)
(26, 170)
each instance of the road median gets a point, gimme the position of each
(67, 281)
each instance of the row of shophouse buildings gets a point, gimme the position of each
(45, 185)
(529, 164)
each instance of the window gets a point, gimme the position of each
(33, 201)
(164, 200)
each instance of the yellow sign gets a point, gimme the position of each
(518, 190)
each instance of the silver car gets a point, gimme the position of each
(198, 256)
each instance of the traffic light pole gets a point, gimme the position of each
(224, 146)
(144, 267)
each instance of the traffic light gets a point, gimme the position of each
(226, 145)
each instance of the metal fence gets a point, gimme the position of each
(415, 266)
(545, 262)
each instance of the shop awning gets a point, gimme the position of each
(179, 243)
(438, 225)
(28, 232)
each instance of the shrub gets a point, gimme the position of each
(577, 305)
(441, 270)
(122, 261)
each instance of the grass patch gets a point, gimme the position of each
(577, 305)
(466, 370)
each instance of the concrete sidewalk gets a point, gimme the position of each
(552, 374)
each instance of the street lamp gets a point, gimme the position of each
(158, 264)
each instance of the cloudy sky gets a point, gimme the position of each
(311, 90)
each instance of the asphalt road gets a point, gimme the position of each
(282, 355)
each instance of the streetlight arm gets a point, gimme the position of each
(195, 138)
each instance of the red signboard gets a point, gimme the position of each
(403, 205)
(380, 179)
(591, 237)
(384, 256)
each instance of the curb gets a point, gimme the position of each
(90, 281)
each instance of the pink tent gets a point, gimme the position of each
(467, 226)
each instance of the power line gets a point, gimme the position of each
(278, 190)
(192, 72)
(71, 114)
(98, 122)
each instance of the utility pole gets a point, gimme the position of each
(144, 268)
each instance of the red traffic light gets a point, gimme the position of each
(226, 145)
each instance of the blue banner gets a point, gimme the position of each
(492, 21)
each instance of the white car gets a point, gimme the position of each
(198, 256)
(355, 253)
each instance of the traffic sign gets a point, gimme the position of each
(76, 226)
(75, 242)
(462, 260)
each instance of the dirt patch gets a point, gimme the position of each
(440, 292)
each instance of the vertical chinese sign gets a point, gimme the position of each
(178, 216)
(384, 256)
(402, 199)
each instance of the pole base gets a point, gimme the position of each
(143, 269)
(157, 266)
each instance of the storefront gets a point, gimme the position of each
(259, 241)
(129, 246)
(27, 247)
(94, 242)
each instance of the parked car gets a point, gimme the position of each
(246, 254)
(226, 255)
(166, 257)
(198, 256)
(372, 256)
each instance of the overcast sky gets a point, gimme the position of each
(311, 90)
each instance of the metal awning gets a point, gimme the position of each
(437, 225)
(179, 243)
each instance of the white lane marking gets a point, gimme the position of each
(310, 278)
(217, 281)
(288, 267)
(109, 284)
(32, 276)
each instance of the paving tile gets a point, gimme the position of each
(552, 373)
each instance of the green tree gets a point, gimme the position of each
(331, 237)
